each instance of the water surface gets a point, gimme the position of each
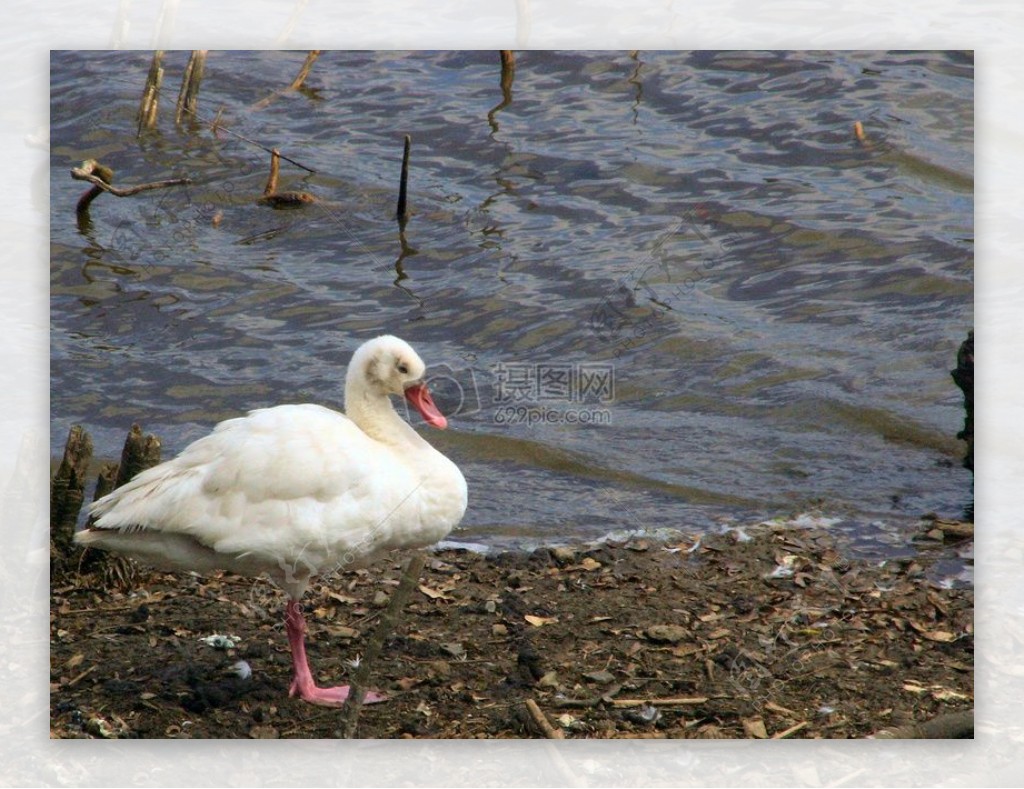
(657, 289)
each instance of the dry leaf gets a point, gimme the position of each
(945, 694)
(754, 727)
(771, 705)
(433, 594)
(540, 621)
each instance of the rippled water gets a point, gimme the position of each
(658, 289)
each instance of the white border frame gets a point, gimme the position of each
(993, 29)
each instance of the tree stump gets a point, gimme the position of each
(963, 376)
(139, 453)
(67, 492)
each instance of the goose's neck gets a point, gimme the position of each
(375, 415)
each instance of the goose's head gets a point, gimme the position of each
(386, 366)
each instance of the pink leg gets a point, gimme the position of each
(303, 684)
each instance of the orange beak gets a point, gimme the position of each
(419, 396)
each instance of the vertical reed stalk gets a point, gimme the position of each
(403, 186)
(151, 94)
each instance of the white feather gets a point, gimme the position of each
(294, 490)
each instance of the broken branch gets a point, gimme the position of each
(100, 177)
(681, 700)
(357, 689)
(540, 719)
(296, 83)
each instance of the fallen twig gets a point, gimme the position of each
(791, 730)
(79, 677)
(672, 702)
(771, 705)
(100, 177)
(605, 697)
(104, 174)
(126, 191)
(542, 722)
(357, 689)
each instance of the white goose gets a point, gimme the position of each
(295, 491)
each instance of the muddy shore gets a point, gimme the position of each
(772, 632)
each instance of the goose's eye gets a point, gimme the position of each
(403, 368)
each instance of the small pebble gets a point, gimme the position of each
(218, 641)
(242, 669)
(563, 555)
(668, 633)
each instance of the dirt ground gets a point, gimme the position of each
(779, 635)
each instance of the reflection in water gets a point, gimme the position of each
(781, 303)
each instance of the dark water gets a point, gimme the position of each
(658, 289)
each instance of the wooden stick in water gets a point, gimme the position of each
(100, 177)
(188, 96)
(151, 94)
(508, 63)
(306, 67)
(295, 84)
(403, 185)
(275, 168)
(100, 171)
(858, 132)
(276, 199)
